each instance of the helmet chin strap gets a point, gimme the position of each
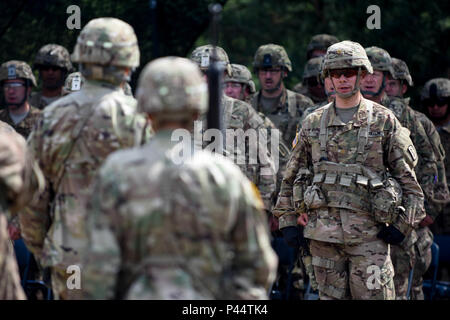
(380, 90)
(355, 89)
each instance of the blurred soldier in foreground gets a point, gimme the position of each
(17, 79)
(53, 63)
(74, 137)
(238, 115)
(15, 175)
(163, 227)
(338, 185)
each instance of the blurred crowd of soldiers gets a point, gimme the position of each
(89, 173)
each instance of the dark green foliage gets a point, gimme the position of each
(415, 31)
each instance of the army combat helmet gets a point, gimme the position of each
(104, 47)
(241, 74)
(436, 91)
(313, 68)
(343, 55)
(53, 55)
(271, 55)
(203, 57)
(401, 71)
(320, 42)
(15, 69)
(436, 88)
(172, 87)
(380, 61)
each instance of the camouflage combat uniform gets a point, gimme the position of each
(440, 88)
(290, 107)
(168, 229)
(25, 126)
(239, 115)
(415, 251)
(404, 255)
(71, 141)
(51, 55)
(340, 178)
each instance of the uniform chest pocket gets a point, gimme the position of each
(375, 142)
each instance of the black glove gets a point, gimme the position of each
(293, 236)
(390, 234)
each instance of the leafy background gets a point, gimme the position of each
(415, 31)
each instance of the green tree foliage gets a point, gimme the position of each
(27, 25)
(415, 31)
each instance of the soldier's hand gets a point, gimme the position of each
(426, 221)
(302, 219)
(391, 235)
(291, 236)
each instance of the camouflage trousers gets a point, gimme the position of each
(403, 259)
(358, 271)
(423, 260)
(416, 255)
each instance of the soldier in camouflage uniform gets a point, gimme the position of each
(239, 85)
(312, 81)
(404, 256)
(283, 107)
(237, 114)
(328, 91)
(435, 98)
(73, 83)
(416, 252)
(168, 228)
(345, 182)
(373, 88)
(74, 137)
(17, 79)
(53, 63)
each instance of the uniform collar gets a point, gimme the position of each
(358, 119)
